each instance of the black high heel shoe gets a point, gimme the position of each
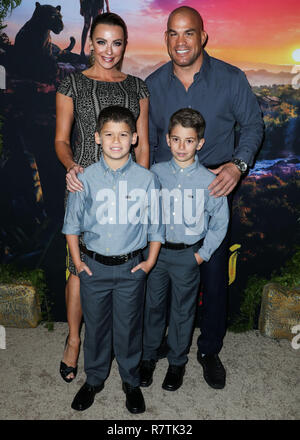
(65, 370)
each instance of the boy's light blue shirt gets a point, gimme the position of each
(118, 211)
(190, 213)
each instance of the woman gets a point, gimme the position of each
(80, 97)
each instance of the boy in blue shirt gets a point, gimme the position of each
(118, 212)
(196, 224)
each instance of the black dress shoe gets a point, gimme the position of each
(174, 377)
(134, 399)
(146, 372)
(213, 370)
(85, 396)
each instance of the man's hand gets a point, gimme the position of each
(198, 258)
(227, 178)
(74, 184)
(83, 267)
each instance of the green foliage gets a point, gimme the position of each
(7, 6)
(289, 276)
(36, 278)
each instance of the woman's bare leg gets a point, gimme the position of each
(74, 316)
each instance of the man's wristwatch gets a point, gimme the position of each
(241, 165)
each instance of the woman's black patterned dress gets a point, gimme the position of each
(89, 98)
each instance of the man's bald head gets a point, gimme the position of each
(186, 10)
(185, 38)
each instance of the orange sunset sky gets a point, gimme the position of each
(242, 32)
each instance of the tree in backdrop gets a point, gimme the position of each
(7, 6)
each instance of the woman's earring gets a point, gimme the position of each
(92, 58)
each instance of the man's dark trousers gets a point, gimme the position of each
(214, 278)
(181, 268)
(112, 302)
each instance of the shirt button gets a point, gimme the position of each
(172, 227)
(173, 213)
(113, 203)
(114, 187)
(181, 170)
(190, 106)
(179, 186)
(111, 219)
(175, 200)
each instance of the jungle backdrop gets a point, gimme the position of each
(262, 38)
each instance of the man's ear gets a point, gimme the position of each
(168, 139)
(166, 36)
(200, 144)
(97, 138)
(204, 37)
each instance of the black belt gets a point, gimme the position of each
(112, 260)
(178, 246)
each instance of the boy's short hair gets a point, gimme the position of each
(188, 118)
(116, 113)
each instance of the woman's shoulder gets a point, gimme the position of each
(136, 79)
(69, 82)
(139, 85)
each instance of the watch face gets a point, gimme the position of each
(243, 166)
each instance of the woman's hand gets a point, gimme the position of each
(73, 183)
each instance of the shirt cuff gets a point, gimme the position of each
(156, 237)
(203, 254)
(70, 230)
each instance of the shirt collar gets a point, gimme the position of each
(203, 72)
(205, 68)
(176, 168)
(122, 170)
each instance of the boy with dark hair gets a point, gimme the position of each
(118, 212)
(196, 224)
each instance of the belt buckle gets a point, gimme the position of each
(126, 258)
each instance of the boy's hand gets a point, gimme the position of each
(143, 265)
(83, 267)
(74, 184)
(198, 258)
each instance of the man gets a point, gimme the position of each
(221, 93)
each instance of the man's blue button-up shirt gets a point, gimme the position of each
(118, 211)
(222, 94)
(190, 212)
